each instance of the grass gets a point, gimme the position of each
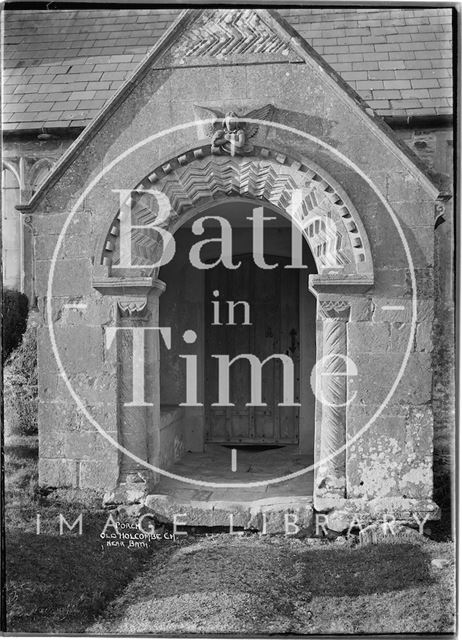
(275, 585)
(56, 583)
(213, 584)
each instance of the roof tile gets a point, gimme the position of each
(64, 65)
(381, 75)
(82, 95)
(386, 95)
(78, 77)
(402, 55)
(368, 85)
(114, 75)
(405, 104)
(14, 108)
(397, 84)
(355, 75)
(106, 66)
(409, 94)
(391, 64)
(68, 105)
(425, 83)
(443, 92)
(91, 104)
(408, 74)
(42, 79)
(82, 68)
(379, 104)
(94, 86)
(69, 86)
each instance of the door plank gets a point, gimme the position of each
(273, 297)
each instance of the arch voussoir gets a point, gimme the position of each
(330, 222)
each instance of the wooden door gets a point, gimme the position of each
(273, 297)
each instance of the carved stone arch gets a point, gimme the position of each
(10, 165)
(299, 188)
(29, 173)
(38, 172)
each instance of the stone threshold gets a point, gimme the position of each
(279, 514)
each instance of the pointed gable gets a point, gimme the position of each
(200, 61)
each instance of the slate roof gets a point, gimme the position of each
(60, 67)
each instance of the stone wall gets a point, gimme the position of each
(172, 435)
(72, 453)
(435, 148)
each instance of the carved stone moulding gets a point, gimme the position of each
(257, 177)
(133, 308)
(340, 283)
(130, 294)
(29, 172)
(334, 309)
(228, 34)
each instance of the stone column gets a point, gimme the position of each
(332, 396)
(132, 420)
(28, 263)
(138, 393)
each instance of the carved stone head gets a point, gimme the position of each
(231, 121)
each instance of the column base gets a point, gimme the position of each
(132, 489)
(330, 487)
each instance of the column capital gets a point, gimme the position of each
(131, 294)
(137, 287)
(133, 308)
(334, 310)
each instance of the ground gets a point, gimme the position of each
(55, 583)
(266, 585)
(214, 583)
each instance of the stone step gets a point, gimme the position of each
(279, 514)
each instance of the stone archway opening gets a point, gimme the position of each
(251, 303)
(327, 222)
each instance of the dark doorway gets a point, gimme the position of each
(273, 309)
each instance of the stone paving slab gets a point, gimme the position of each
(206, 506)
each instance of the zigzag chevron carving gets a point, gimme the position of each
(330, 228)
(218, 176)
(221, 33)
